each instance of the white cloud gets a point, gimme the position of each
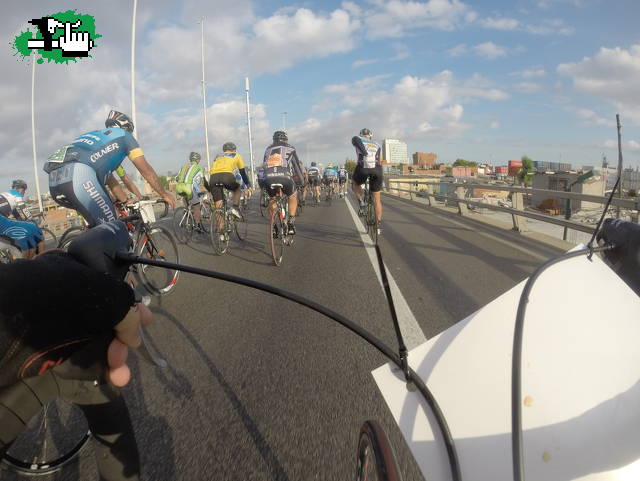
(612, 75)
(494, 125)
(592, 118)
(500, 23)
(490, 50)
(395, 17)
(630, 145)
(554, 26)
(363, 62)
(458, 50)
(533, 73)
(527, 87)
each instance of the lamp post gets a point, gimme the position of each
(33, 132)
(246, 89)
(204, 96)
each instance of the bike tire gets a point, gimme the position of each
(68, 237)
(277, 243)
(376, 460)
(158, 244)
(241, 226)
(182, 225)
(371, 222)
(51, 235)
(219, 235)
(36, 453)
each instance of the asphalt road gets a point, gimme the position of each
(259, 388)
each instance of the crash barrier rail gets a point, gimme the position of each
(518, 212)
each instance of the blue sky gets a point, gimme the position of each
(486, 81)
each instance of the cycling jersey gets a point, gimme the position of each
(368, 152)
(12, 203)
(190, 174)
(329, 172)
(260, 173)
(281, 159)
(102, 150)
(342, 173)
(313, 172)
(228, 162)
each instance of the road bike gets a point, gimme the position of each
(224, 223)
(301, 201)
(278, 230)
(329, 189)
(37, 219)
(8, 250)
(368, 213)
(184, 223)
(264, 201)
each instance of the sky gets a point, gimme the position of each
(482, 80)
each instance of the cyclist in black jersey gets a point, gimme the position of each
(368, 165)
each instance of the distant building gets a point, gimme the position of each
(464, 172)
(425, 161)
(560, 181)
(514, 167)
(502, 169)
(394, 152)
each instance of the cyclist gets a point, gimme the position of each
(342, 180)
(189, 180)
(34, 337)
(126, 180)
(329, 178)
(79, 171)
(368, 165)
(12, 202)
(222, 173)
(26, 236)
(282, 166)
(313, 174)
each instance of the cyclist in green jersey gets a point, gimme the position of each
(190, 178)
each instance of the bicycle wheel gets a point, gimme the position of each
(376, 459)
(371, 221)
(276, 235)
(48, 233)
(158, 244)
(51, 440)
(219, 235)
(241, 226)
(183, 225)
(68, 237)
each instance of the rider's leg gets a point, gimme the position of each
(377, 202)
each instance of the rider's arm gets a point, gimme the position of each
(625, 256)
(129, 184)
(115, 188)
(150, 175)
(359, 145)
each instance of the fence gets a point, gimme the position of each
(394, 185)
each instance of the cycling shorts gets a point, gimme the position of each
(227, 179)
(76, 186)
(314, 181)
(288, 185)
(342, 180)
(375, 177)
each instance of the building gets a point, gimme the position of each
(394, 152)
(464, 172)
(560, 181)
(514, 167)
(424, 161)
(502, 169)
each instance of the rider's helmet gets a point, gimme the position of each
(366, 133)
(194, 157)
(19, 184)
(330, 166)
(313, 164)
(229, 147)
(280, 136)
(118, 119)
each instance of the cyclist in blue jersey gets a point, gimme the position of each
(12, 202)
(368, 165)
(26, 236)
(79, 171)
(329, 177)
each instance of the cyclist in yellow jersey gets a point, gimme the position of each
(222, 173)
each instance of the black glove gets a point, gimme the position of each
(625, 257)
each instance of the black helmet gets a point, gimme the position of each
(118, 119)
(366, 133)
(19, 184)
(280, 136)
(229, 147)
(194, 157)
(313, 164)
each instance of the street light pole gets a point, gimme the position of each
(133, 68)
(246, 89)
(619, 164)
(33, 132)
(204, 97)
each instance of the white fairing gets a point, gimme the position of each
(580, 384)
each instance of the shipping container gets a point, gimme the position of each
(515, 163)
(502, 169)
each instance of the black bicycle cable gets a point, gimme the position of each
(350, 325)
(516, 359)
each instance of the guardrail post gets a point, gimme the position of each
(519, 222)
(411, 187)
(432, 199)
(462, 206)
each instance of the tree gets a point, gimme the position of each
(164, 181)
(464, 163)
(526, 172)
(350, 166)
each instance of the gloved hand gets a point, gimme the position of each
(624, 258)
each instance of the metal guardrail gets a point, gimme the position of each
(518, 214)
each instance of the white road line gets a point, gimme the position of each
(411, 332)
